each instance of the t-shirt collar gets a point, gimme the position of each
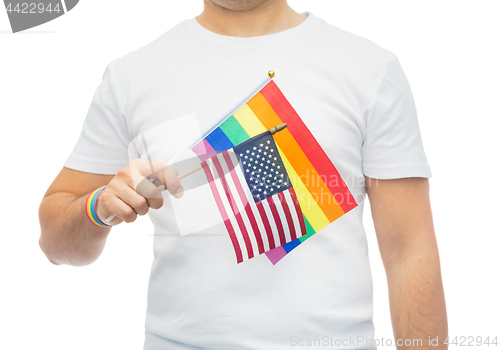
(206, 34)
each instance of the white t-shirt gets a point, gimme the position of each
(354, 98)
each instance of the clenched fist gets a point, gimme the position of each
(134, 190)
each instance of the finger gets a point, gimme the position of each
(141, 169)
(144, 175)
(133, 199)
(103, 205)
(157, 183)
(151, 193)
(123, 190)
(121, 210)
(171, 181)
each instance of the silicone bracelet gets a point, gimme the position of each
(90, 207)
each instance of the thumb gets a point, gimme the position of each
(170, 178)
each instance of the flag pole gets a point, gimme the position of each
(272, 131)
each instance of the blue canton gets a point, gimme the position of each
(262, 166)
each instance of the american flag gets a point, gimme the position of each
(254, 196)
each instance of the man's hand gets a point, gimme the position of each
(124, 200)
(68, 236)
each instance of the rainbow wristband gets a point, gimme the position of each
(90, 207)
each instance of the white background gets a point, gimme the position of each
(450, 53)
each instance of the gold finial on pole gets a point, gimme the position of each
(277, 128)
(271, 74)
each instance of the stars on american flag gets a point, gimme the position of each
(263, 168)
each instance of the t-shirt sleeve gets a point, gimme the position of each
(392, 146)
(102, 147)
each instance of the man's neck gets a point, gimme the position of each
(268, 18)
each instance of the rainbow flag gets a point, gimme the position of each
(322, 194)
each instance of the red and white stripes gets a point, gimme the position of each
(253, 228)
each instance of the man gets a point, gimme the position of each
(354, 98)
